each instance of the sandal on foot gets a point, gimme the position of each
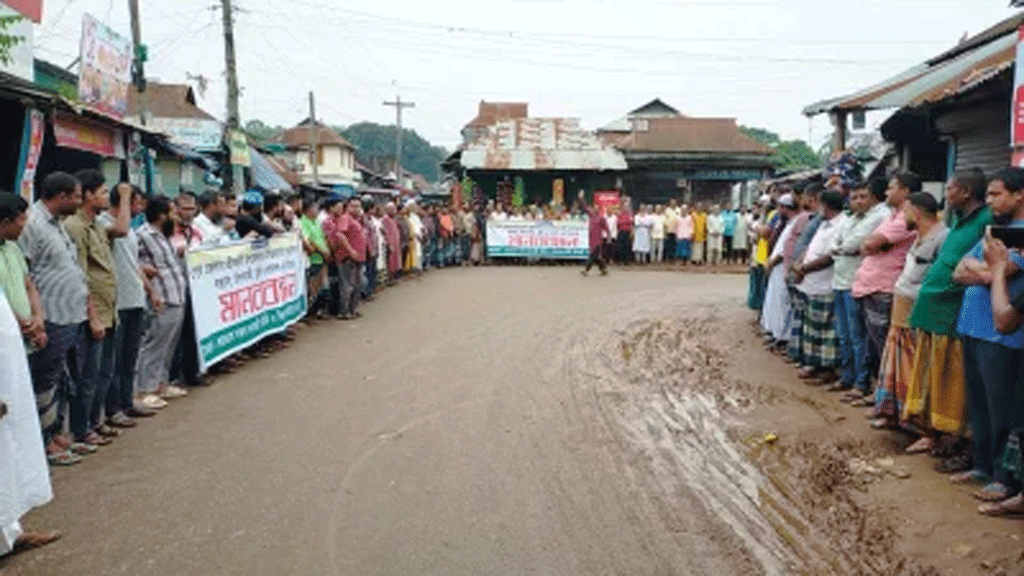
(65, 458)
(837, 387)
(865, 402)
(1010, 508)
(83, 449)
(882, 424)
(972, 476)
(994, 492)
(32, 540)
(923, 444)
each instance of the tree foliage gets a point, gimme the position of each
(8, 41)
(375, 148)
(789, 154)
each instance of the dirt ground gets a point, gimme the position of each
(518, 420)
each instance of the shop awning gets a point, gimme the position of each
(264, 175)
(950, 74)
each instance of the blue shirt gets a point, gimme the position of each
(976, 313)
(729, 220)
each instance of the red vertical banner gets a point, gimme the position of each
(1017, 119)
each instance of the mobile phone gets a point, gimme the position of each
(1011, 236)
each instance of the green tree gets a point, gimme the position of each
(375, 148)
(8, 41)
(261, 131)
(789, 154)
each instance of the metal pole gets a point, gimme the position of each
(234, 122)
(399, 105)
(314, 139)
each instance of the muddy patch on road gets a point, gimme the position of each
(797, 504)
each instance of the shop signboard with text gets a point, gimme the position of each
(82, 134)
(245, 291)
(563, 240)
(1017, 119)
(607, 199)
(105, 68)
(199, 133)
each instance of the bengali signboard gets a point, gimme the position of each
(244, 291)
(564, 240)
(86, 135)
(198, 133)
(105, 68)
(607, 199)
(31, 147)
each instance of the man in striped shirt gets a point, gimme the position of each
(53, 264)
(167, 277)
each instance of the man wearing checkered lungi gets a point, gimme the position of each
(819, 345)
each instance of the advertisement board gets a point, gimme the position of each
(105, 68)
(31, 147)
(198, 133)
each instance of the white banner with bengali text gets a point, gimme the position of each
(245, 291)
(559, 239)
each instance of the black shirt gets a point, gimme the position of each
(245, 224)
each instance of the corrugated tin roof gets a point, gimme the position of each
(682, 134)
(653, 109)
(936, 79)
(541, 144)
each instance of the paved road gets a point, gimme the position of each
(461, 427)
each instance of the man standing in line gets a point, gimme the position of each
(53, 263)
(729, 219)
(315, 245)
(684, 235)
(937, 393)
(885, 252)
(993, 361)
(346, 235)
(624, 222)
(598, 232)
(671, 223)
(716, 232)
(24, 477)
(93, 242)
(213, 207)
(163, 328)
(866, 213)
(700, 234)
(132, 288)
(392, 239)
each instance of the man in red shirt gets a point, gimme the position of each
(598, 232)
(624, 247)
(348, 241)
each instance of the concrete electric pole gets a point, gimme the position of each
(234, 121)
(314, 140)
(399, 105)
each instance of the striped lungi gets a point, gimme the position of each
(798, 300)
(897, 363)
(50, 381)
(819, 341)
(937, 391)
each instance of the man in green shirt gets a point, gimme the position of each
(936, 395)
(15, 281)
(315, 243)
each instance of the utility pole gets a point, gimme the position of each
(314, 139)
(234, 121)
(139, 57)
(399, 105)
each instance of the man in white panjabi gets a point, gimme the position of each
(24, 475)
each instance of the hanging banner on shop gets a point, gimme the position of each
(1017, 121)
(563, 240)
(31, 147)
(105, 68)
(82, 134)
(239, 148)
(245, 291)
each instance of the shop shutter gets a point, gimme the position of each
(985, 149)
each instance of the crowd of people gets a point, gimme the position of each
(876, 292)
(701, 234)
(96, 317)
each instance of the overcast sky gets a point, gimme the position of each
(759, 61)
